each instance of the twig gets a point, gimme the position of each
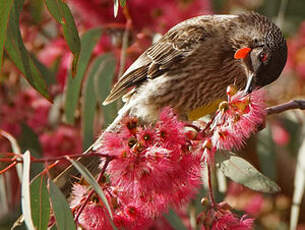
(125, 41)
(92, 191)
(8, 167)
(208, 125)
(281, 14)
(211, 195)
(52, 159)
(294, 104)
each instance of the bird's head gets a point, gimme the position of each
(265, 56)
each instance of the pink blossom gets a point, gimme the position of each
(78, 195)
(96, 12)
(39, 118)
(151, 163)
(94, 217)
(229, 221)
(254, 205)
(220, 217)
(64, 140)
(296, 52)
(279, 134)
(158, 14)
(27, 107)
(237, 119)
(235, 189)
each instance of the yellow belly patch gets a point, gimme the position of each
(203, 110)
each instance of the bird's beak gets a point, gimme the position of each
(249, 86)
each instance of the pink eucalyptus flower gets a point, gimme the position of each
(279, 134)
(94, 217)
(64, 140)
(152, 164)
(229, 221)
(237, 119)
(254, 205)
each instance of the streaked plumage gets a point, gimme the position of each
(191, 65)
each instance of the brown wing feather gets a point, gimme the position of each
(174, 46)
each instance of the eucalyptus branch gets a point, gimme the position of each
(100, 176)
(125, 41)
(294, 104)
(52, 159)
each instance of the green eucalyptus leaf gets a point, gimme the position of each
(63, 215)
(103, 86)
(40, 202)
(49, 76)
(25, 191)
(36, 9)
(28, 140)
(88, 41)
(55, 9)
(123, 3)
(5, 8)
(266, 151)
(19, 55)
(242, 172)
(70, 30)
(90, 100)
(62, 14)
(174, 220)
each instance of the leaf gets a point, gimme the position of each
(266, 153)
(5, 8)
(25, 191)
(299, 187)
(19, 55)
(116, 8)
(88, 42)
(90, 100)
(74, 65)
(40, 202)
(48, 75)
(70, 31)
(15, 148)
(63, 215)
(242, 172)
(91, 180)
(123, 3)
(62, 14)
(103, 87)
(174, 220)
(4, 195)
(12, 140)
(28, 140)
(36, 8)
(55, 9)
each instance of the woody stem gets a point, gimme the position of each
(211, 194)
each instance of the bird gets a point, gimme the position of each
(190, 67)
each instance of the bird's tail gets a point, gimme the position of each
(121, 114)
(66, 178)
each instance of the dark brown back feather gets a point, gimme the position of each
(174, 46)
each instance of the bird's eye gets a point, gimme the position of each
(263, 57)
